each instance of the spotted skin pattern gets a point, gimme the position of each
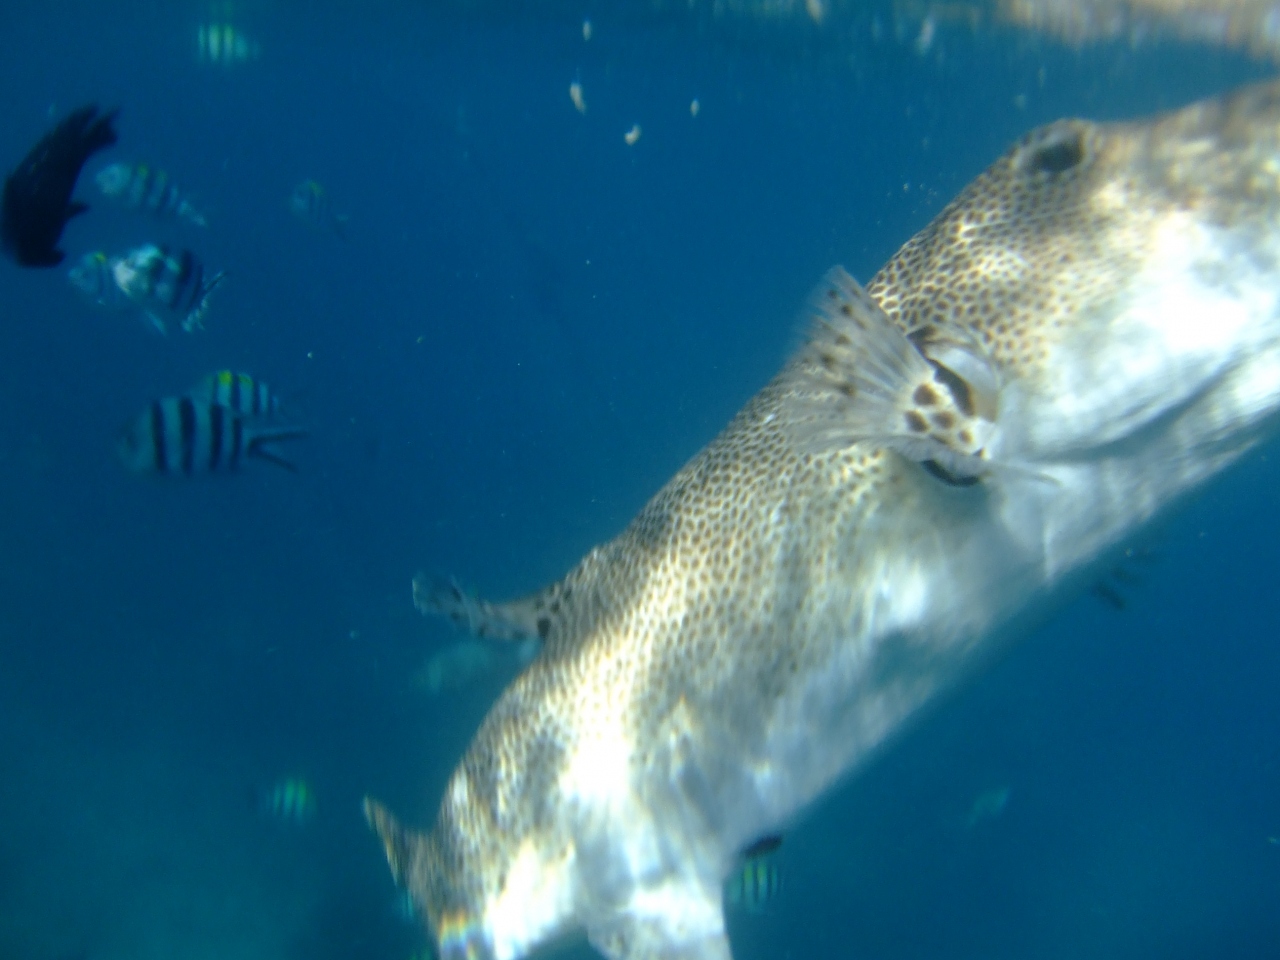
(1103, 298)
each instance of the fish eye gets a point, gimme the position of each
(1061, 150)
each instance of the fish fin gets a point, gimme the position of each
(443, 597)
(860, 379)
(256, 446)
(680, 924)
(271, 457)
(156, 323)
(212, 284)
(398, 843)
(293, 405)
(195, 319)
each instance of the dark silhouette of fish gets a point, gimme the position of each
(37, 195)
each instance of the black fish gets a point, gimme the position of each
(37, 195)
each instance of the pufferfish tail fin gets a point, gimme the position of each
(860, 379)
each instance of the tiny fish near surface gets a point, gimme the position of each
(1087, 333)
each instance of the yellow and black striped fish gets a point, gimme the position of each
(238, 392)
(757, 881)
(186, 436)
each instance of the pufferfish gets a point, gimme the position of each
(1087, 333)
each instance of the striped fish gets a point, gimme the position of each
(186, 436)
(310, 204)
(291, 800)
(238, 392)
(141, 187)
(170, 281)
(757, 881)
(222, 43)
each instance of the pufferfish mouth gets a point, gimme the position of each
(461, 938)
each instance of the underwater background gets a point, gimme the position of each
(526, 326)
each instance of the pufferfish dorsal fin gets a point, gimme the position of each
(444, 597)
(557, 614)
(860, 379)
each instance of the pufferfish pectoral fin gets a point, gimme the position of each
(860, 379)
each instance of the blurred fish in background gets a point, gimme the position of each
(291, 800)
(150, 278)
(137, 186)
(93, 276)
(187, 436)
(757, 882)
(988, 805)
(223, 44)
(310, 203)
(168, 282)
(238, 392)
(37, 200)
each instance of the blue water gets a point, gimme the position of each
(532, 326)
